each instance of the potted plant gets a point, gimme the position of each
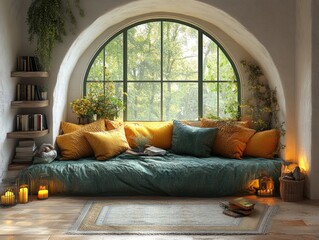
(83, 108)
(100, 102)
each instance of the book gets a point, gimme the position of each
(243, 203)
(243, 207)
(135, 153)
(232, 214)
(26, 149)
(26, 143)
(149, 151)
(154, 151)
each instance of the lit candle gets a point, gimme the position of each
(265, 192)
(43, 194)
(8, 198)
(23, 194)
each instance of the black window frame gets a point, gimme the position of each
(200, 80)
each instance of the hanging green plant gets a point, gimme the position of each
(47, 25)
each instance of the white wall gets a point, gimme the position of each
(10, 26)
(314, 176)
(303, 80)
(268, 30)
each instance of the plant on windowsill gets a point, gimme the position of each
(100, 102)
(47, 22)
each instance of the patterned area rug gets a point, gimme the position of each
(147, 216)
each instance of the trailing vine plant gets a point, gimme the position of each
(262, 108)
(47, 25)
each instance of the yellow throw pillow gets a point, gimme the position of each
(160, 134)
(67, 127)
(111, 125)
(107, 144)
(74, 145)
(263, 144)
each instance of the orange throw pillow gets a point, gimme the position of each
(263, 144)
(214, 123)
(231, 138)
(74, 145)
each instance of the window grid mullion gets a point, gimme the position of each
(218, 82)
(162, 87)
(125, 59)
(200, 74)
(104, 70)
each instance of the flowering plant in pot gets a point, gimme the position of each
(101, 101)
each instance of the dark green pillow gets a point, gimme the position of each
(191, 140)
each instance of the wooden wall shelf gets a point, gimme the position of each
(27, 134)
(30, 104)
(30, 74)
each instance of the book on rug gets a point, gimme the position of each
(242, 203)
(238, 207)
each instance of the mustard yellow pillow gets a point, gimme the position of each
(111, 125)
(263, 144)
(73, 145)
(160, 134)
(67, 127)
(107, 144)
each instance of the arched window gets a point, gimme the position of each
(168, 70)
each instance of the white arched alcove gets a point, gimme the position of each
(191, 8)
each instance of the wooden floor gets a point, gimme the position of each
(51, 218)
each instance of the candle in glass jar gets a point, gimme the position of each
(265, 192)
(8, 198)
(23, 194)
(43, 193)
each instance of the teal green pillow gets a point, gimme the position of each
(191, 140)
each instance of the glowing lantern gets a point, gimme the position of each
(266, 187)
(43, 191)
(8, 192)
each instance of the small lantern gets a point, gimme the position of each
(43, 191)
(8, 192)
(24, 189)
(266, 187)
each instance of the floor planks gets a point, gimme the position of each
(50, 219)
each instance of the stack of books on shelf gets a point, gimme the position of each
(28, 64)
(25, 151)
(238, 207)
(28, 92)
(31, 122)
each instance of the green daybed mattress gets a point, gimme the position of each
(173, 175)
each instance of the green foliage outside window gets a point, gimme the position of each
(161, 66)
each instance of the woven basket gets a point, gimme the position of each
(291, 190)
